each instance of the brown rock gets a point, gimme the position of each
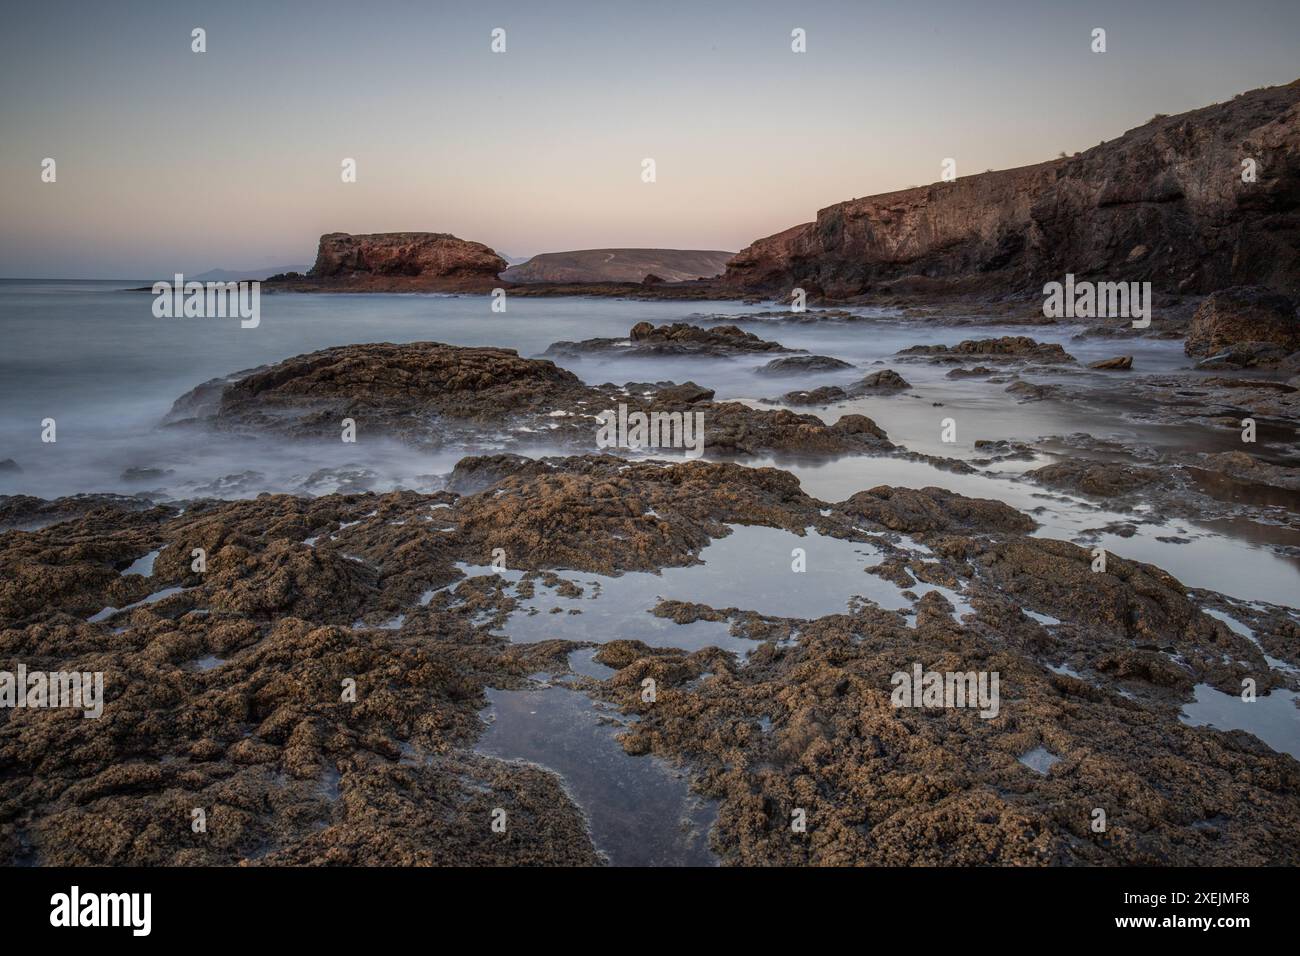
(1097, 478)
(680, 338)
(886, 380)
(1240, 318)
(1164, 186)
(799, 364)
(1007, 348)
(401, 262)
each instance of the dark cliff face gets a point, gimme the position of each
(403, 262)
(1163, 203)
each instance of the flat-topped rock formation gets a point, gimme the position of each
(398, 262)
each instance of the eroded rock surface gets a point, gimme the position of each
(677, 339)
(434, 395)
(1245, 327)
(226, 694)
(397, 262)
(1007, 348)
(1093, 214)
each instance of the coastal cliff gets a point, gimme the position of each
(1166, 202)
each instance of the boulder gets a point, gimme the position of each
(1241, 320)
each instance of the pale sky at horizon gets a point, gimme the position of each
(172, 161)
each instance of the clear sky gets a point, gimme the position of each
(169, 161)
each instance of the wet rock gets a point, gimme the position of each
(1031, 391)
(678, 339)
(10, 467)
(826, 395)
(1118, 363)
(1006, 348)
(1247, 467)
(883, 382)
(787, 317)
(293, 774)
(687, 393)
(1240, 320)
(1096, 478)
(431, 395)
(479, 472)
(927, 510)
(802, 364)
(886, 380)
(29, 512)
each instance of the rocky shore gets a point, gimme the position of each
(317, 688)
(432, 395)
(314, 676)
(226, 694)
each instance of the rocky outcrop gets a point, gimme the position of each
(435, 396)
(803, 365)
(677, 339)
(620, 265)
(1244, 326)
(1100, 479)
(398, 262)
(1007, 348)
(884, 382)
(1164, 203)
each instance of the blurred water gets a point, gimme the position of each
(94, 358)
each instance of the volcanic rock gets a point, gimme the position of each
(1007, 348)
(1096, 478)
(801, 364)
(432, 395)
(399, 262)
(1241, 321)
(1164, 203)
(677, 339)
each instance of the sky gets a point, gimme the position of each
(171, 161)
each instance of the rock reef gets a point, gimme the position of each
(227, 693)
(433, 395)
